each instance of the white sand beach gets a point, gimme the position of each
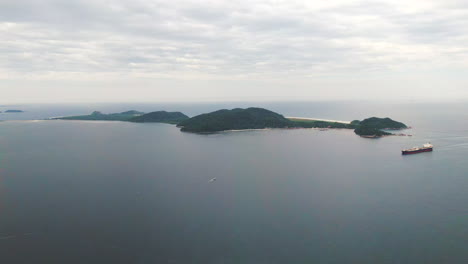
(318, 119)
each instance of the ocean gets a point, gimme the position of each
(118, 192)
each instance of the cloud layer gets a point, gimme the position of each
(267, 44)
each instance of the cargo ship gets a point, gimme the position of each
(425, 148)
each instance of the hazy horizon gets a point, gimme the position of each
(252, 102)
(143, 51)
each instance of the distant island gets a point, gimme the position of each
(131, 116)
(96, 115)
(160, 117)
(14, 111)
(245, 119)
(259, 118)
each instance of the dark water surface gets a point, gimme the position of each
(116, 192)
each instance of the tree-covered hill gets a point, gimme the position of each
(382, 123)
(160, 117)
(235, 119)
(373, 126)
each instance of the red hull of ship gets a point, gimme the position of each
(405, 152)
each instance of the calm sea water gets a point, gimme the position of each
(116, 192)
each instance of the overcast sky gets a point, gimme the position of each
(147, 50)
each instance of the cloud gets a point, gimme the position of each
(241, 40)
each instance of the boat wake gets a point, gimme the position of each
(14, 236)
(454, 146)
(7, 237)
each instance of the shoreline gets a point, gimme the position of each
(266, 129)
(317, 119)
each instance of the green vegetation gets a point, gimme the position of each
(370, 132)
(161, 117)
(96, 115)
(14, 111)
(355, 122)
(132, 116)
(372, 127)
(258, 118)
(241, 119)
(235, 119)
(382, 123)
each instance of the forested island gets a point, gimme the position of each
(14, 111)
(160, 117)
(373, 127)
(96, 115)
(131, 116)
(244, 119)
(259, 118)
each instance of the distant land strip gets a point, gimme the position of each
(294, 118)
(246, 119)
